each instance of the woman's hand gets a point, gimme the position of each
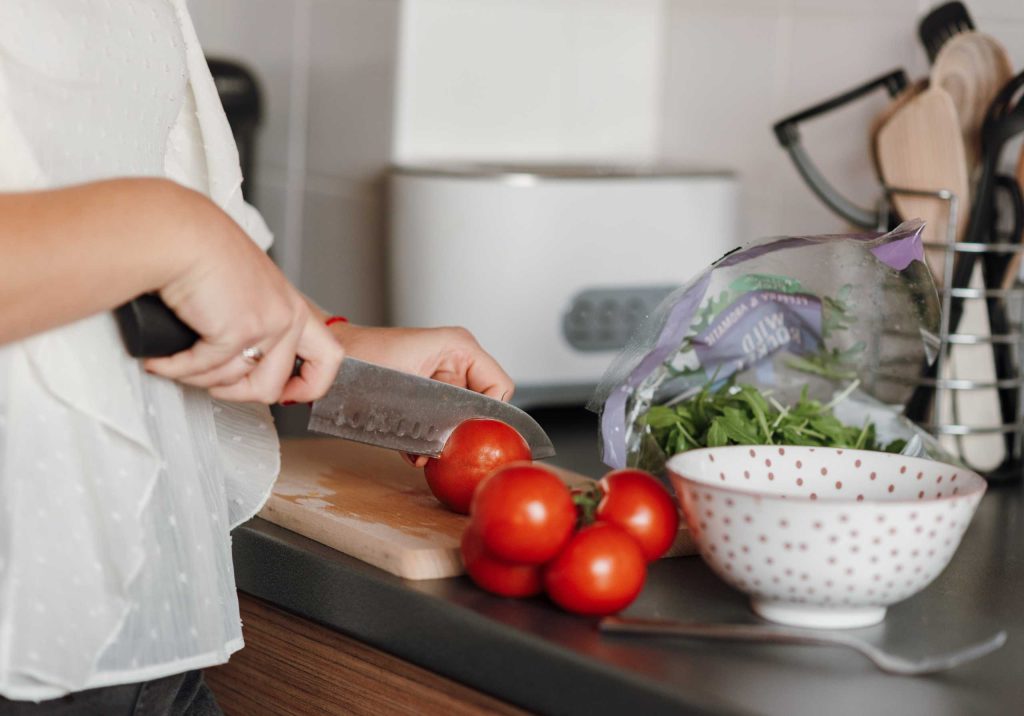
(76, 251)
(450, 355)
(235, 298)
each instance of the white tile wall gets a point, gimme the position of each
(352, 89)
(258, 32)
(734, 67)
(328, 74)
(353, 64)
(343, 268)
(529, 79)
(692, 81)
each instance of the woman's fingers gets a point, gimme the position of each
(322, 355)
(267, 380)
(472, 367)
(227, 374)
(235, 298)
(415, 460)
(270, 380)
(487, 377)
(484, 375)
(450, 355)
(211, 354)
(203, 357)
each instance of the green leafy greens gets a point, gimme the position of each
(742, 415)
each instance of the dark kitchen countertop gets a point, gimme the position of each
(531, 654)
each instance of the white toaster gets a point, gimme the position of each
(550, 267)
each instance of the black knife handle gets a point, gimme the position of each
(151, 330)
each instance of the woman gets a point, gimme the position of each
(120, 481)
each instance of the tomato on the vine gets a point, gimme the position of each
(474, 449)
(635, 501)
(497, 576)
(524, 513)
(600, 571)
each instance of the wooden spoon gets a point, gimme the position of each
(920, 146)
(972, 67)
(908, 93)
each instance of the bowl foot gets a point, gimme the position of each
(814, 616)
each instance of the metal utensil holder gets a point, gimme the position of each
(947, 391)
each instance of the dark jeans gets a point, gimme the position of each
(179, 695)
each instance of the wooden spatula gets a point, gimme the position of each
(921, 146)
(972, 67)
(911, 91)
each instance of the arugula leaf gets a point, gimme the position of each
(742, 415)
(717, 436)
(660, 416)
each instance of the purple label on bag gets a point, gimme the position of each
(756, 326)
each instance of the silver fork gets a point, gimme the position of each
(890, 663)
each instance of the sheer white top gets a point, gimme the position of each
(117, 488)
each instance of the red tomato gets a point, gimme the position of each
(474, 450)
(635, 501)
(497, 576)
(524, 513)
(599, 572)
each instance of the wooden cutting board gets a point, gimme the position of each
(368, 503)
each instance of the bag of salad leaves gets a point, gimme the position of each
(806, 340)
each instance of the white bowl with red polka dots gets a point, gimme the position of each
(823, 537)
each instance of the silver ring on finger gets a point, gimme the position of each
(252, 355)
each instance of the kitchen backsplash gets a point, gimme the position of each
(352, 85)
(549, 79)
(327, 69)
(734, 67)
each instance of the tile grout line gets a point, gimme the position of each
(298, 140)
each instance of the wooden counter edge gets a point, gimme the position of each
(294, 666)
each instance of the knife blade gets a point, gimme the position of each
(367, 403)
(388, 408)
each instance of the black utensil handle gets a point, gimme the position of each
(788, 134)
(994, 271)
(942, 23)
(150, 329)
(1013, 191)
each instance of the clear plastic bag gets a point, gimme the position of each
(856, 315)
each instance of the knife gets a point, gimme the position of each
(376, 405)
(367, 403)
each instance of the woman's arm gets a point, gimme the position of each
(69, 253)
(449, 354)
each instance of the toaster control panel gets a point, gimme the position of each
(603, 319)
